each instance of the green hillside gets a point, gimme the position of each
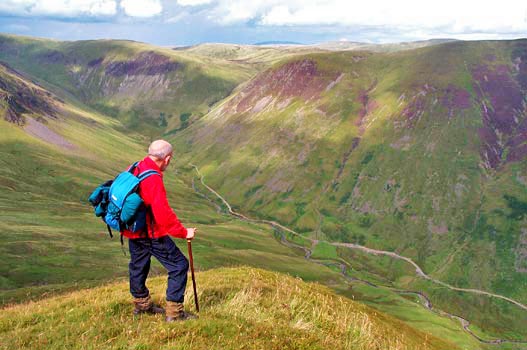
(241, 309)
(421, 152)
(151, 89)
(51, 159)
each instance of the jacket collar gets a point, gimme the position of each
(150, 164)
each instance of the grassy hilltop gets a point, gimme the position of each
(242, 308)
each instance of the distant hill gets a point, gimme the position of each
(390, 47)
(277, 42)
(150, 89)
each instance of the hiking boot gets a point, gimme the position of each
(175, 312)
(146, 306)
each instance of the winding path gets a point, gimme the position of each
(426, 301)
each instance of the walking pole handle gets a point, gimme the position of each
(189, 245)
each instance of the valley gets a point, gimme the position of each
(343, 267)
(393, 175)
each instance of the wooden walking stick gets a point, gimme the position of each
(189, 245)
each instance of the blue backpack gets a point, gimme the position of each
(118, 203)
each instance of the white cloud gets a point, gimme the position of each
(80, 8)
(59, 8)
(456, 15)
(193, 2)
(375, 20)
(235, 11)
(142, 8)
(448, 16)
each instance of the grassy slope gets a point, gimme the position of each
(241, 309)
(415, 186)
(52, 243)
(52, 238)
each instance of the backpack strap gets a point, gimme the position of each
(109, 230)
(141, 177)
(132, 167)
(122, 244)
(146, 174)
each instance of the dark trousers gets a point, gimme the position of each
(166, 252)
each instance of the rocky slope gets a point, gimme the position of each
(19, 97)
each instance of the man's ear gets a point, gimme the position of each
(168, 158)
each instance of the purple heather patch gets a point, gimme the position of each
(518, 153)
(95, 62)
(21, 98)
(503, 93)
(363, 100)
(147, 63)
(517, 140)
(455, 98)
(367, 105)
(416, 105)
(491, 150)
(300, 78)
(413, 111)
(522, 74)
(490, 57)
(503, 112)
(523, 127)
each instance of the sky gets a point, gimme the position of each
(189, 22)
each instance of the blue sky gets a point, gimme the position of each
(187, 22)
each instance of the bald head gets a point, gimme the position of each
(160, 151)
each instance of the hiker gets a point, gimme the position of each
(162, 223)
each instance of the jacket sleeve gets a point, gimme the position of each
(164, 217)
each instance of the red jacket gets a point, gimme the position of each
(152, 191)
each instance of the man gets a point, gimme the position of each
(162, 222)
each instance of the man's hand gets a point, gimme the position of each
(191, 232)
